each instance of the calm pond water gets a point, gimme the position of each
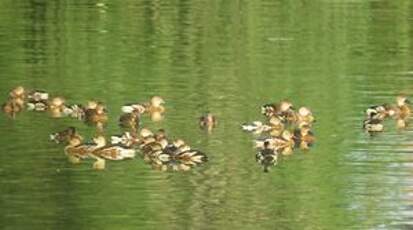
(229, 57)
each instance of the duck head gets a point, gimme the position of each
(163, 143)
(17, 92)
(402, 100)
(100, 109)
(304, 112)
(178, 143)
(75, 141)
(305, 130)
(91, 104)
(160, 134)
(157, 101)
(57, 102)
(286, 106)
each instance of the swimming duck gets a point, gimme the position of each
(402, 108)
(150, 143)
(304, 117)
(38, 95)
(178, 156)
(56, 106)
(267, 157)
(155, 105)
(111, 152)
(285, 144)
(18, 92)
(130, 120)
(277, 126)
(75, 111)
(127, 139)
(192, 157)
(373, 125)
(38, 106)
(304, 137)
(379, 112)
(284, 109)
(66, 135)
(95, 114)
(37, 100)
(76, 150)
(208, 121)
(146, 136)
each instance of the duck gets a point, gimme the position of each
(178, 156)
(127, 139)
(37, 100)
(155, 105)
(379, 112)
(38, 95)
(285, 144)
(154, 148)
(95, 114)
(373, 125)
(303, 137)
(76, 111)
(38, 106)
(403, 110)
(304, 117)
(133, 107)
(267, 156)
(130, 120)
(56, 106)
(277, 126)
(66, 135)
(146, 136)
(76, 150)
(208, 121)
(192, 157)
(283, 108)
(18, 92)
(111, 152)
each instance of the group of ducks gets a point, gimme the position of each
(377, 114)
(156, 148)
(284, 130)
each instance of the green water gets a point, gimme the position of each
(228, 57)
